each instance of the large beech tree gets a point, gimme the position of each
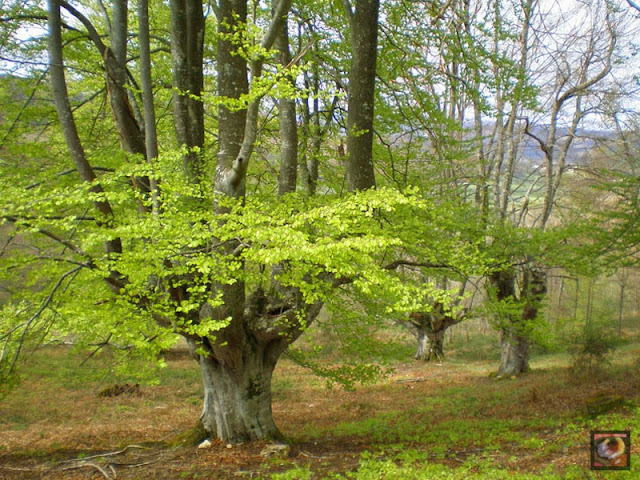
(162, 237)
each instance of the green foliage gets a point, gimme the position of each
(297, 473)
(319, 241)
(592, 348)
(344, 375)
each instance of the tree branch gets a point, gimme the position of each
(348, 9)
(277, 22)
(27, 325)
(65, 115)
(589, 82)
(542, 143)
(13, 18)
(68, 172)
(397, 263)
(91, 30)
(24, 107)
(75, 249)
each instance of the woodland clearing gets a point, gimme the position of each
(424, 421)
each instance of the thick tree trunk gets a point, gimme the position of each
(237, 401)
(514, 358)
(430, 345)
(429, 329)
(436, 345)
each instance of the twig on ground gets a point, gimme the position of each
(93, 465)
(107, 454)
(311, 455)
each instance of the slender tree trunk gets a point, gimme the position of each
(576, 299)
(361, 98)
(65, 115)
(559, 304)
(115, 59)
(187, 50)
(313, 132)
(621, 308)
(588, 307)
(288, 124)
(151, 135)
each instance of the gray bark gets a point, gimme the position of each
(187, 47)
(65, 115)
(514, 357)
(436, 345)
(151, 135)
(132, 138)
(313, 132)
(239, 361)
(423, 346)
(514, 354)
(237, 398)
(238, 365)
(115, 59)
(129, 130)
(232, 83)
(288, 124)
(361, 96)
(429, 329)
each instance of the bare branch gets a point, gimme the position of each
(52, 236)
(634, 4)
(542, 143)
(14, 18)
(28, 324)
(397, 263)
(68, 172)
(24, 107)
(589, 82)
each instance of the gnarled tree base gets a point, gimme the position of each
(514, 359)
(237, 397)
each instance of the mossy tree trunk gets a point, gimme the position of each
(515, 348)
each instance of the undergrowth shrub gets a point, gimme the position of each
(592, 349)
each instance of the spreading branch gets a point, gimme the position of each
(28, 325)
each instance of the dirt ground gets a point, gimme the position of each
(74, 433)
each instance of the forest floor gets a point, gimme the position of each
(424, 421)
